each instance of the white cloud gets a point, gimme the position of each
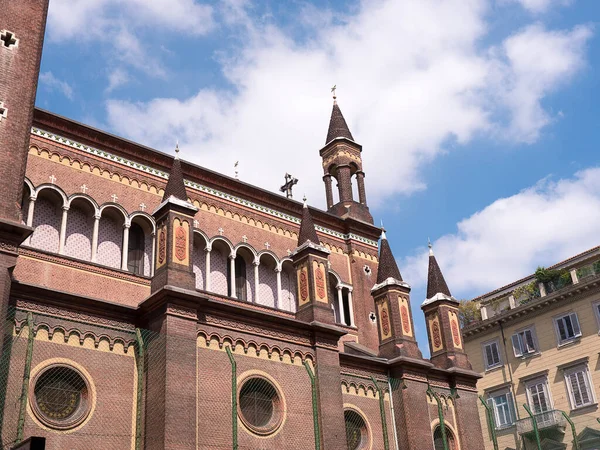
(412, 75)
(117, 78)
(51, 83)
(508, 239)
(536, 62)
(121, 24)
(539, 6)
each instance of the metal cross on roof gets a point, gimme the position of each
(290, 181)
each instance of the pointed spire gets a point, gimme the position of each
(175, 186)
(435, 280)
(337, 123)
(388, 268)
(307, 227)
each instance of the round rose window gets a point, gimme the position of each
(260, 406)
(61, 397)
(357, 435)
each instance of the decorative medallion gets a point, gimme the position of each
(162, 246)
(405, 319)
(455, 333)
(303, 286)
(436, 335)
(320, 282)
(385, 322)
(180, 243)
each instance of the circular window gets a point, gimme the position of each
(357, 435)
(61, 397)
(260, 406)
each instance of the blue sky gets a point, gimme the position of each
(478, 118)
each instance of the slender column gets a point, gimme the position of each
(360, 181)
(350, 307)
(95, 237)
(207, 278)
(345, 183)
(63, 230)
(232, 275)
(256, 281)
(328, 191)
(278, 299)
(340, 306)
(125, 251)
(153, 253)
(30, 210)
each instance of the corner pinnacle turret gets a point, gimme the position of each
(436, 284)
(175, 185)
(307, 233)
(388, 268)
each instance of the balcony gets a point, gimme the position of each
(547, 421)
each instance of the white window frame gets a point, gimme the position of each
(596, 306)
(579, 368)
(484, 345)
(510, 404)
(575, 324)
(521, 348)
(535, 381)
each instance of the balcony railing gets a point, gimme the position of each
(545, 420)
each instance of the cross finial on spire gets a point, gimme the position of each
(304, 200)
(333, 92)
(177, 149)
(430, 247)
(383, 236)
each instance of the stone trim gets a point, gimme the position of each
(191, 184)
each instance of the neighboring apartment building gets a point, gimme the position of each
(538, 344)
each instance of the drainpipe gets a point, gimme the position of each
(535, 428)
(491, 423)
(440, 416)
(575, 440)
(140, 388)
(26, 375)
(394, 414)
(314, 406)
(386, 443)
(233, 398)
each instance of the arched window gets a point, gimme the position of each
(135, 250)
(438, 442)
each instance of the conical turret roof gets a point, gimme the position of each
(307, 228)
(388, 268)
(175, 186)
(436, 284)
(337, 125)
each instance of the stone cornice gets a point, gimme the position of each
(539, 306)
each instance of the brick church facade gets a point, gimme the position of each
(149, 303)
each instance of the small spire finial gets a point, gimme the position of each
(177, 149)
(304, 200)
(383, 236)
(430, 247)
(333, 92)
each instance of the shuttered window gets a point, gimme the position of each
(491, 355)
(567, 327)
(523, 343)
(579, 386)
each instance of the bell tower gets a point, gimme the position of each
(342, 162)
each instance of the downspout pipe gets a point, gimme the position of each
(315, 407)
(575, 440)
(386, 443)
(440, 416)
(393, 413)
(535, 428)
(140, 388)
(234, 424)
(491, 423)
(26, 376)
